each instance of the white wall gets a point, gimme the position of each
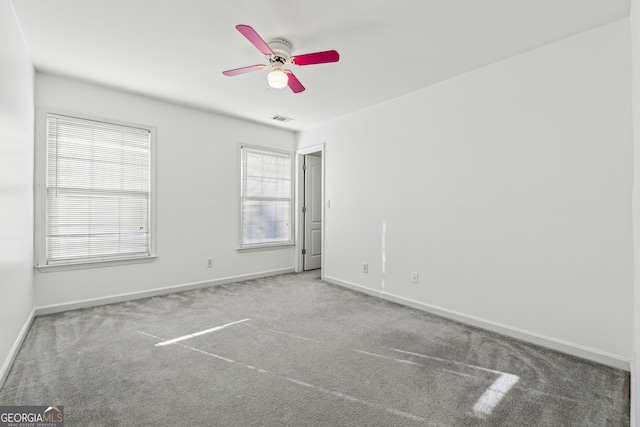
(16, 185)
(197, 195)
(635, 367)
(507, 189)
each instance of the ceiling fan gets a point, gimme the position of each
(278, 53)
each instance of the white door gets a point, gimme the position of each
(312, 212)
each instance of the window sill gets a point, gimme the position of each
(94, 264)
(265, 247)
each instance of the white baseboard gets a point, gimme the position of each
(74, 305)
(532, 337)
(6, 367)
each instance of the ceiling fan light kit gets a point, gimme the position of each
(278, 53)
(277, 79)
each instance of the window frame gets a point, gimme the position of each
(242, 247)
(41, 206)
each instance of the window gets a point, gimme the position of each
(266, 197)
(97, 192)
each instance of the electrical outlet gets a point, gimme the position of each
(414, 277)
(209, 262)
(365, 267)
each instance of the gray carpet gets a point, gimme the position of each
(294, 351)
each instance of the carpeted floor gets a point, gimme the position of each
(294, 351)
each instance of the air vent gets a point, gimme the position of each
(282, 119)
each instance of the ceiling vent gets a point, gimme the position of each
(282, 119)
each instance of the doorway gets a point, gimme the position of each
(311, 208)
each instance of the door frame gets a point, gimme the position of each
(299, 189)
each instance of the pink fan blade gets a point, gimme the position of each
(254, 38)
(316, 58)
(243, 70)
(294, 83)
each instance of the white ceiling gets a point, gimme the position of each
(176, 50)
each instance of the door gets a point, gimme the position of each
(312, 212)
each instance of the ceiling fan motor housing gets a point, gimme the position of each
(281, 51)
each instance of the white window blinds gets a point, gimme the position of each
(98, 191)
(266, 196)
